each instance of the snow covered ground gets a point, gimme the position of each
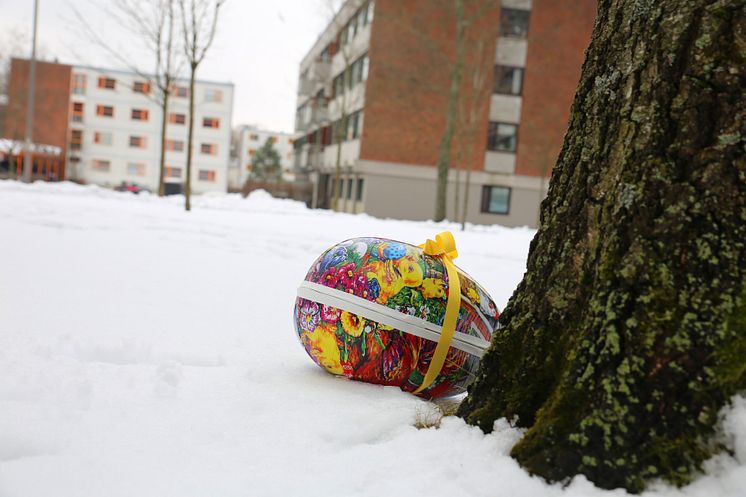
(145, 351)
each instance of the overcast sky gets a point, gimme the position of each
(258, 48)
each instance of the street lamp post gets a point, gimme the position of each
(27, 164)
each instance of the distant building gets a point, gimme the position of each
(387, 65)
(246, 140)
(108, 124)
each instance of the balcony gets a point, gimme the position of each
(316, 75)
(312, 115)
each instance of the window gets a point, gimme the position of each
(349, 188)
(354, 125)
(364, 69)
(206, 175)
(102, 138)
(508, 80)
(173, 172)
(502, 137)
(210, 122)
(175, 145)
(180, 91)
(136, 169)
(77, 116)
(139, 115)
(209, 148)
(107, 83)
(495, 199)
(290, 141)
(176, 118)
(251, 151)
(79, 81)
(514, 23)
(76, 139)
(103, 166)
(338, 86)
(273, 139)
(213, 95)
(137, 141)
(141, 87)
(359, 194)
(105, 110)
(253, 137)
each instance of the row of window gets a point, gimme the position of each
(107, 83)
(357, 22)
(352, 75)
(135, 141)
(138, 169)
(350, 128)
(255, 137)
(78, 109)
(347, 187)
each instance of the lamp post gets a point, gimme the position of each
(27, 163)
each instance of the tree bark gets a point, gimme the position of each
(190, 140)
(628, 331)
(162, 158)
(444, 151)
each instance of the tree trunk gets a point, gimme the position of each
(628, 331)
(162, 161)
(444, 151)
(190, 138)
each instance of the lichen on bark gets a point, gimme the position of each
(628, 332)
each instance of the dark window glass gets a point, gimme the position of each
(359, 193)
(508, 80)
(495, 199)
(502, 137)
(514, 23)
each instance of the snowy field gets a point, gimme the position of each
(145, 351)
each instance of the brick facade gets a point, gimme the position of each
(412, 51)
(557, 37)
(51, 107)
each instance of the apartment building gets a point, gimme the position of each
(373, 93)
(247, 139)
(108, 122)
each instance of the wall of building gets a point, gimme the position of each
(121, 126)
(51, 102)
(247, 140)
(557, 39)
(412, 51)
(401, 190)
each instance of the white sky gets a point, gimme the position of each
(258, 48)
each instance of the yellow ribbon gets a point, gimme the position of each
(444, 248)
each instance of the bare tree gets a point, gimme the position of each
(199, 20)
(470, 118)
(153, 24)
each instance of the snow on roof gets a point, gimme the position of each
(16, 147)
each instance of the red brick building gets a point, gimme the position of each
(381, 72)
(51, 107)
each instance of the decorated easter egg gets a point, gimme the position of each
(390, 313)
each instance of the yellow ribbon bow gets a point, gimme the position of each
(444, 248)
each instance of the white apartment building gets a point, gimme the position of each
(247, 139)
(115, 132)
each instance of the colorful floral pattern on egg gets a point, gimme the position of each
(400, 277)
